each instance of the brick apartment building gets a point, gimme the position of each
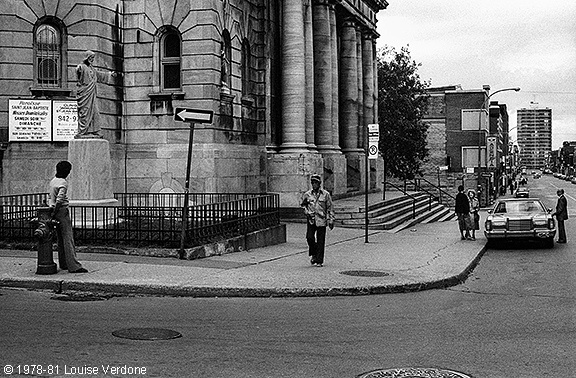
(466, 137)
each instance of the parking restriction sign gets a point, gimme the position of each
(373, 138)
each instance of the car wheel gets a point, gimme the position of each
(549, 243)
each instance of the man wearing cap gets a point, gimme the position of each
(319, 210)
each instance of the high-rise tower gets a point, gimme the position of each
(534, 135)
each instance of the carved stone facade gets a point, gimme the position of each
(291, 83)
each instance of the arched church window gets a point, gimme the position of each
(48, 56)
(171, 60)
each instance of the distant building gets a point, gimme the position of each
(464, 138)
(534, 136)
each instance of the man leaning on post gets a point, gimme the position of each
(319, 210)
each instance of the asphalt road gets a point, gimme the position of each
(514, 317)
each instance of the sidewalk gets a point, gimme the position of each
(420, 257)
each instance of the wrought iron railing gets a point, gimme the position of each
(150, 219)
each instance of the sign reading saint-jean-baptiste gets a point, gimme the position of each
(31, 120)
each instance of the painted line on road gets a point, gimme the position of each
(565, 195)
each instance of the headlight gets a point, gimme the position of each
(498, 222)
(551, 223)
(541, 222)
(488, 225)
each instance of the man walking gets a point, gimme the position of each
(561, 215)
(463, 213)
(319, 210)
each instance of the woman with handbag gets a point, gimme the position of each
(474, 209)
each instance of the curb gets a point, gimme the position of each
(68, 287)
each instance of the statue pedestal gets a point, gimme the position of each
(90, 183)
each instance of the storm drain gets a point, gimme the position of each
(412, 372)
(147, 334)
(366, 273)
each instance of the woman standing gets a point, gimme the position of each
(474, 208)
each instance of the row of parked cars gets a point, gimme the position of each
(564, 177)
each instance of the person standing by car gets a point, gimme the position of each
(474, 215)
(561, 214)
(319, 210)
(463, 213)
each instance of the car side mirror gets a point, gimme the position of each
(489, 211)
(549, 210)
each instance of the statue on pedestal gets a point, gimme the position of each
(88, 114)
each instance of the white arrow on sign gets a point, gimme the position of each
(193, 115)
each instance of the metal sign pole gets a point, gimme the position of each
(186, 192)
(366, 220)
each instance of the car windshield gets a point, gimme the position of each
(517, 207)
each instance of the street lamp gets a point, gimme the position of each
(484, 104)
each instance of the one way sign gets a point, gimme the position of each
(193, 115)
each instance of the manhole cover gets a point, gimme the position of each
(413, 373)
(147, 334)
(365, 273)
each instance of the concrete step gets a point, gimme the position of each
(393, 214)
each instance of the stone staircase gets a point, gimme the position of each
(393, 214)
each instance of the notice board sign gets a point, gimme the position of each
(65, 120)
(29, 120)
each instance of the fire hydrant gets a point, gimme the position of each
(43, 234)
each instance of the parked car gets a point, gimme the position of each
(522, 192)
(520, 218)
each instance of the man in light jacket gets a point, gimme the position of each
(319, 210)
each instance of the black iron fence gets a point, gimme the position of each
(153, 219)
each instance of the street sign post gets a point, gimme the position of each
(192, 116)
(371, 153)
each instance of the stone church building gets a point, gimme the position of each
(291, 84)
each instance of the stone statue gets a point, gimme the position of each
(88, 115)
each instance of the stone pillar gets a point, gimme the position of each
(368, 103)
(360, 77)
(309, 40)
(293, 78)
(323, 76)
(289, 171)
(335, 93)
(375, 71)
(349, 105)
(348, 88)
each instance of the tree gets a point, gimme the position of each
(402, 103)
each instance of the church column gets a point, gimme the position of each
(293, 78)
(368, 78)
(368, 113)
(289, 171)
(335, 93)
(348, 88)
(349, 105)
(360, 77)
(309, 40)
(323, 76)
(375, 70)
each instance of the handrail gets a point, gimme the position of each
(405, 193)
(440, 190)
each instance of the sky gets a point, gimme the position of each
(529, 44)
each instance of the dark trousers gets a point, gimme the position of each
(316, 238)
(561, 230)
